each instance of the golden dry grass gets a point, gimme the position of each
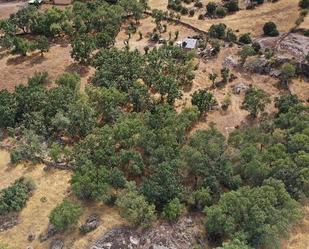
(284, 13)
(54, 186)
(16, 70)
(34, 217)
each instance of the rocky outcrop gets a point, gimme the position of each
(92, 222)
(180, 235)
(8, 221)
(289, 45)
(56, 244)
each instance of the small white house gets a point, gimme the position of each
(190, 44)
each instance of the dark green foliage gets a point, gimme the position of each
(285, 102)
(173, 210)
(270, 29)
(245, 38)
(134, 207)
(42, 44)
(258, 216)
(117, 68)
(217, 31)
(82, 48)
(232, 6)
(204, 100)
(65, 215)
(14, 197)
(163, 185)
(7, 109)
(304, 4)
(255, 101)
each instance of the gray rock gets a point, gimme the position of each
(92, 222)
(230, 62)
(179, 235)
(51, 231)
(239, 88)
(56, 244)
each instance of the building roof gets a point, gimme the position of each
(190, 43)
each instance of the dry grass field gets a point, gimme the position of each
(284, 13)
(54, 185)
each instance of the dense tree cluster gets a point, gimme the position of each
(128, 145)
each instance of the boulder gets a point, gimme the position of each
(230, 62)
(56, 244)
(51, 231)
(92, 222)
(240, 88)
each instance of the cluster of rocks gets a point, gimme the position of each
(92, 222)
(8, 221)
(180, 235)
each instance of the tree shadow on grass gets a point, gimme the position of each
(77, 68)
(34, 58)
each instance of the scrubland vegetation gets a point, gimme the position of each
(129, 147)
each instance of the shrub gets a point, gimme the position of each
(211, 8)
(172, 210)
(134, 206)
(270, 29)
(304, 4)
(217, 31)
(220, 11)
(204, 100)
(245, 38)
(14, 197)
(258, 216)
(65, 215)
(191, 12)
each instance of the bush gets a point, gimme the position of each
(245, 38)
(217, 31)
(232, 6)
(14, 197)
(258, 216)
(65, 215)
(211, 8)
(220, 11)
(172, 210)
(134, 206)
(204, 100)
(270, 29)
(304, 4)
(191, 12)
